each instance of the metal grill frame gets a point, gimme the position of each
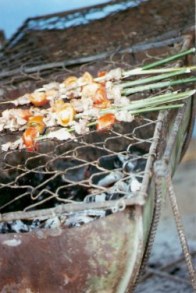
(134, 207)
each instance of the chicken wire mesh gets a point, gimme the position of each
(56, 31)
(51, 43)
(94, 167)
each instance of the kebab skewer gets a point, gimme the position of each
(96, 101)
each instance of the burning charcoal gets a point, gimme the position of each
(35, 224)
(95, 198)
(123, 158)
(140, 165)
(110, 162)
(135, 185)
(114, 196)
(84, 217)
(80, 173)
(4, 228)
(128, 167)
(135, 166)
(77, 193)
(108, 212)
(18, 226)
(95, 213)
(120, 186)
(110, 179)
(13, 227)
(77, 220)
(52, 223)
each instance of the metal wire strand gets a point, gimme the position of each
(181, 232)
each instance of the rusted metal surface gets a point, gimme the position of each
(105, 255)
(90, 258)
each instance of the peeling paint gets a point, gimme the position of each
(12, 242)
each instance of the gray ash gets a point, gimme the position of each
(40, 181)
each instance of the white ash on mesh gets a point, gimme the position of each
(116, 187)
(120, 189)
(66, 220)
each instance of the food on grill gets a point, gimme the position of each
(106, 121)
(83, 169)
(35, 127)
(85, 102)
(75, 103)
(100, 99)
(65, 115)
(37, 122)
(14, 119)
(29, 137)
(70, 81)
(60, 134)
(38, 99)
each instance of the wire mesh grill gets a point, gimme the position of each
(74, 169)
(56, 33)
(94, 168)
(85, 34)
(97, 166)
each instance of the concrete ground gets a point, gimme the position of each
(167, 271)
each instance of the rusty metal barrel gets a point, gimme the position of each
(55, 235)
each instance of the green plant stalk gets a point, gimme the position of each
(144, 102)
(153, 78)
(152, 101)
(140, 71)
(156, 100)
(142, 106)
(157, 85)
(160, 62)
(173, 95)
(169, 59)
(134, 112)
(151, 109)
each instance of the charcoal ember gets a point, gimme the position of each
(77, 220)
(4, 228)
(35, 224)
(119, 190)
(114, 196)
(131, 162)
(19, 226)
(110, 179)
(84, 217)
(105, 196)
(128, 167)
(95, 197)
(139, 165)
(134, 184)
(52, 223)
(111, 162)
(120, 186)
(108, 170)
(77, 193)
(95, 213)
(16, 226)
